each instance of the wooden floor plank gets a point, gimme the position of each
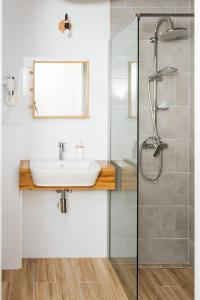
(184, 279)
(6, 275)
(6, 283)
(5, 290)
(130, 274)
(109, 280)
(127, 274)
(160, 277)
(172, 293)
(45, 291)
(146, 290)
(44, 270)
(166, 284)
(130, 293)
(93, 291)
(67, 278)
(120, 274)
(87, 272)
(69, 292)
(22, 282)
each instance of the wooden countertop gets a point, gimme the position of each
(105, 181)
(126, 174)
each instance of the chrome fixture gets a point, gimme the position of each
(61, 150)
(62, 205)
(159, 74)
(172, 33)
(154, 142)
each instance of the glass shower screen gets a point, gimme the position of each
(124, 139)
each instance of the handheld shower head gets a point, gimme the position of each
(165, 71)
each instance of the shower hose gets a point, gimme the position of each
(155, 141)
(141, 164)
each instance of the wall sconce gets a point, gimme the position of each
(10, 84)
(65, 26)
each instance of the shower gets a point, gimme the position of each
(165, 71)
(154, 142)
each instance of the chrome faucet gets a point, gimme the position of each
(61, 150)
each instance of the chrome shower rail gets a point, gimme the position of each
(154, 142)
(165, 15)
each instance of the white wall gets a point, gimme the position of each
(30, 32)
(12, 204)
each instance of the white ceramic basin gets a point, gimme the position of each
(64, 172)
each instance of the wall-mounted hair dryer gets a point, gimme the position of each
(10, 85)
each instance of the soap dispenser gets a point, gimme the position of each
(80, 151)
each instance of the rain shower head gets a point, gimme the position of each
(173, 34)
(165, 71)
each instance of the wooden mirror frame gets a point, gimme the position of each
(34, 107)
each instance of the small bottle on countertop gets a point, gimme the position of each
(80, 151)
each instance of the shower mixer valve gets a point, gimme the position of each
(159, 148)
(152, 39)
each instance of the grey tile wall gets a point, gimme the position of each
(191, 141)
(166, 211)
(173, 251)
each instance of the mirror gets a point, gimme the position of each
(60, 89)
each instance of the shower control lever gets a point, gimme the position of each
(159, 148)
(152, 40)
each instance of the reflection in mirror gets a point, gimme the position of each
(132, 74)
(60, 89)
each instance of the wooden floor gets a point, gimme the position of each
(127, 273)
(91, 279)
(165, 282)
(62, 279)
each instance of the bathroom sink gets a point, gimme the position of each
(64, 172)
